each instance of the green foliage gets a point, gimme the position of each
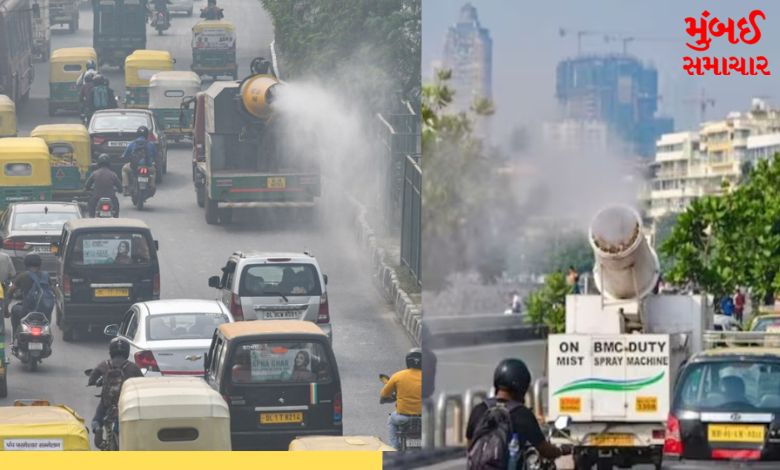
(663, 230)
(547, 305)
(734, 240)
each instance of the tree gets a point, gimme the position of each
(547, 305)
(663, 230)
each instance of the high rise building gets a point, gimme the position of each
(468, 53)
(616, 89)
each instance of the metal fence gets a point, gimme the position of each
(411, 217)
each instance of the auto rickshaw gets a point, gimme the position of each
(65, 67)
(69, 149)
(172, 413)
(339, 443)
(26, 174)
(166, 91)
(214, 49)
(37, 425)
(139, 68)
(7, 117)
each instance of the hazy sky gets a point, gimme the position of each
(527, 47)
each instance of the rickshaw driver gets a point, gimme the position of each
(142, 140)
(407, 384)
(105, 184)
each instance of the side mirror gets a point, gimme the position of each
(111, 330)
(384, 378)
(205, 363)
(562, 422)
(88, 372)
(214, 282)
(55, 248)
(325, 276)
(157, 245)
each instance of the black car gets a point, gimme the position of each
(112, 130)
(107, 265)
(726, 408)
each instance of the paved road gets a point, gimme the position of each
(367, 340)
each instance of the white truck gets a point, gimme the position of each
(613, 370)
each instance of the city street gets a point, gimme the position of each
(367, 340)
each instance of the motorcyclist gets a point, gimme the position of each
(99, 82)
(162, 5)
(407, 384)
(119, 351)
(21, 284)
(85, 94)
(129, 169)
(105, 184)
(511, 380)
(212, 11)
(90, 69)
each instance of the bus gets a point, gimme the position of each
(16, 49)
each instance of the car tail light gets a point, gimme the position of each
(98, 140)
(235, 308)
(324, 314)
(156, 286)
(145, 359)
(337, 408)
(66, 285)
(152, 137)
(11, 244)
(36, 330)
(143, 170)
(673, 442)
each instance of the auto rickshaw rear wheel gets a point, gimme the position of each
(68, 334)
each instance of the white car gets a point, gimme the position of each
(170, 337)
(181, 6)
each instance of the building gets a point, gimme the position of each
(577, 134)
(468, 53)
(616, 89)
(677, 174)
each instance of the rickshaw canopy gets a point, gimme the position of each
(74, 135)
(339, 443)
(37, 427)
(213, 34)
(172, 413)
(7, 117)
(65, 65)
(143, 63)
(166, 89)
(25, 162)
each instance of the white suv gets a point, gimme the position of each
(275, 286)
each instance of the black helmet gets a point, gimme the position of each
(104, 160)
(143, 131)
(512, 375)
(91, 65)
(119, 347)
(88, 77)
(414, 359)
(32, 261)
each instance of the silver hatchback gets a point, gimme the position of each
(275, 286)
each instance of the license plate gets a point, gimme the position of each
(143, 179)
(416, 443)
(41, 249)
(734, 433)
(35, 346)
(281, 418)
(277, 183)
(114, 143)
(612, 440)
(281, 315)
(113, 292)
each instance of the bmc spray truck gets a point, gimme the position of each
(613, 370)
(246, 163)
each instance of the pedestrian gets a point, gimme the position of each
(727, 305)
(739, 305)
(573, 280)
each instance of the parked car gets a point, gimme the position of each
(181, 6)
(31, 227)
(112, 130)
(171, 337)
(275, 286)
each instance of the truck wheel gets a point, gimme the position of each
(3, 387)
(212, 212)
(68, 333)
(226, 216)
(200, 195)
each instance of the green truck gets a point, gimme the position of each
(119, 28)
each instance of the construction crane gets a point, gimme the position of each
(703, 101)
(580, 34)
(608, 37)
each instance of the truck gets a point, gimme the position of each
(41, 31)
(64, 12)
(613, 370)
(118, 29)
(246, 163)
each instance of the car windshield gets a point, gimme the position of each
(281, 361)
(104, 248)
(122, 122)
(744, 386)
(764, 323)
(268, 280)
(34, 221)
(183, 325)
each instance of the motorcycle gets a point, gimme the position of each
(139, 187)
(33, 340)
(110, 429)
(105, 208)
(410, 434)
(160, 21)
(531, 458)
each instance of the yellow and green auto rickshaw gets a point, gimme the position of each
(69, 148)
(36, 425)
(214, 49)
(139, 68)
(7, 117)
(166, 91)
(65, 67)
(25, 174)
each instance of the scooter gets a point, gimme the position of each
(105, 208)
(139, 187)
(33, 340)
(160, 21)
(410, 434)
(531, 458)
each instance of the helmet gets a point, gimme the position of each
(91, 65)
(143, 131)
(414, 359)
(512, 375)
(89, 76)
(118, 347)
(32, 261)
(103, 159)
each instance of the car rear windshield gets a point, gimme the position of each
(48, 221)
(105, 248)
(183, 325)
(268, 280)
(121, 122)
(281, 362)
(763, 324)
(742, 386)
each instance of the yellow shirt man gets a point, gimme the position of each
(407, 384)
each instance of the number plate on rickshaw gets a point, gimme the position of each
(281, 418)
(35, 346)
(277, 183)
(112, 292)
(115, 143)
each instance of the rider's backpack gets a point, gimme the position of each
(40, 297)
(112, 384)
(100, 97)
(489, 448)
(140, 154)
